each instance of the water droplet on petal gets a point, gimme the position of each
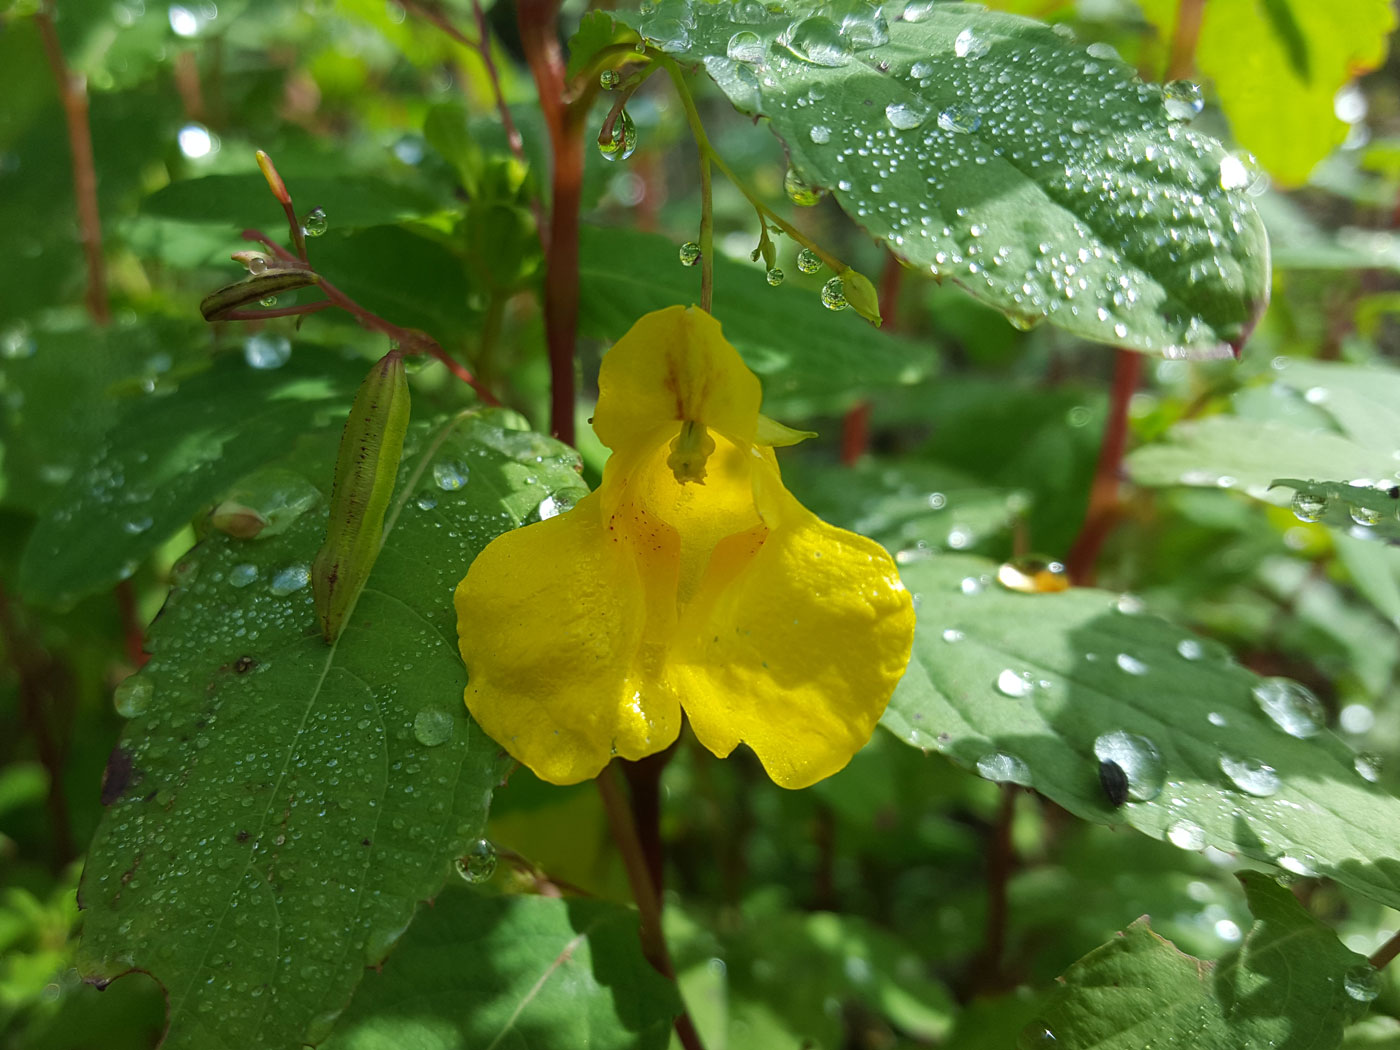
(1004, 768)
(133, 696)
(1250, 775)
(432, 726)
(1291, 705)
(479, 862)
(808, 261)
(1182, 99)
(774, 276)
(834, 294)
(1185, 834)
(689, 253)
(450, 476)
(622, 143)
(315, 222)
(799, 190)
(1139, 759)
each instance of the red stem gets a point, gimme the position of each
(1182, 62)
(72, 92)
(540, 40)
(132, 629)
(1104, 510)
(855, 428)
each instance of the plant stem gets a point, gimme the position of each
(1386, 952)
(72, 93)
(540, 40)
(1103, 510)
(644, 890)
(1182, 61)
(855, 427)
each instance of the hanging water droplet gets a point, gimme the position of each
(969, 45)
(1309, 506)
(608, 79)
(907, 115)
(774, 276)
(290, 580)
(960, 117)
(808, 261)
(834, 294)
(1186, 834)
(242, 574)
(689, 253)
(450, 475)
(269, 301)
(265, 350)
(432, 726)
(799, 190)
(1017, 686)
(1182, 99)
(479, 862)
(1367, 766)
(1366, 517)
(1139, 759)
(1033, 575)
(746, 46)
(1250, 775)
(1362, 983)
(622, 143)
(1004, 768)
(133, 696)
(820, 134)
(1291, 705)
(818, 40)
(315, 222)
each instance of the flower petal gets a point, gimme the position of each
(795, 643)
(562, 629)
(674, 365)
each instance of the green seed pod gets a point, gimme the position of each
(254, 290)
(861, 294)
(365, 471)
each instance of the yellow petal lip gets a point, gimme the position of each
(691, 579)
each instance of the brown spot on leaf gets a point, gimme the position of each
(119, 775)
(244, 664)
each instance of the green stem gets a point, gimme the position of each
(708, 153)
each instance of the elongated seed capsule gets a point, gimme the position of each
(370, 448)
(254, 290)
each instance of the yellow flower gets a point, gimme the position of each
(690, 579)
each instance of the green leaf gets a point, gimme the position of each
(1363, 510)
(986, 149)
(1291, 986)
(514, 972)
(1030, 688)
(167, 458)
(277, 807)
(811, 361)
(596, 31)
(1278, 92)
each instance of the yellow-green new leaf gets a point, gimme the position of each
(370, 449)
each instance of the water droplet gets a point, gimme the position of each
(266, 350)
(1130, 664)
(17, 343)
(1130, 604)
(1309, 506)
(1103, 52)
(1017, 686)
(1367, 766)
(315, 222)
(133, 696)
(907, 115)
(1362, 983)
(1036, 1036)
(1363, 515)
(746, 46)
(774, 276)
(834, 294)
(1302, 864)
(623, 141)
(969, 45)
(1139, 759)
(799, 190)
(961, 118)
(290, 580)
(1186, 834)
(136, 526)
(689, 253)
(1241, 171)
(952, 634)
(426, 501)
(1032, 575)
(1182, 99)
(608, 79)
(919, 10)
(432, 726)
(243, 574)
(1190, 649)
(1004, 768)
(1291, 705)
(1250, 775)
(808, 261)
(479, 862)
(268, 301)
(818, 40)
(820, 134)
(550, 507)
(450, 476)
(257, 264)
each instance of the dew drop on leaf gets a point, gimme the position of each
(1185, 834)
(450, 475)
(290, 580)
(969, 45)
(243, 574)
(746, 46)
(907, 115)
(1017, 686)
(960, 117)
(1309, 506)
(1366, 517)
(133, 696)
(1139, 759)
(820, 134)
(1362, 983)
(818, 40)
(1291, 705)
(479, 862)
(432, 726)
(799, 191)
(1367, 766)
(1182, 99)
(1250, 775)
(1004, 768)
